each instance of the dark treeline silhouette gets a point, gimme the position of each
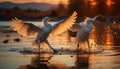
(94, 7)
(7, 14)
(83, 7)
(32, 14)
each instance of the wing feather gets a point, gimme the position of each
(75, 27)
(25, 29)
(64, 25)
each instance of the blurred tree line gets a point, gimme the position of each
(32, 14)
(82, 7)
(94, 7)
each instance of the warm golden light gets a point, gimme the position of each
(38, 1)
(109, 39)
(115, 33)
(114, 22)
(109, 2)
(93, 3)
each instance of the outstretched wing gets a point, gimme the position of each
(25, 29)
(64, 25)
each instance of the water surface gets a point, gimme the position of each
(11, 58)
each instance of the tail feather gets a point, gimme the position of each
(35, 43)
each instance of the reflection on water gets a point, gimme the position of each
(47, 61)
(82, 61)
(10, 58)
(108, 59)
(38, 61)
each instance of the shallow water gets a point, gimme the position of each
(11, 58)
(7, 23)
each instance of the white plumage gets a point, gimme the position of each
(41, 34)
(83, 31)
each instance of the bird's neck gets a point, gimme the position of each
(88, 27)
(45, 22)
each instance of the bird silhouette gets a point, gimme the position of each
(83, 30)
(43, 32)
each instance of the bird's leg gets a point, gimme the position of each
(88, 42)
(50, 46)
(38, 43)
(77, 43)
(39, 49)
(77, 46)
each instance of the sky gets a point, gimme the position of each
(38, 1)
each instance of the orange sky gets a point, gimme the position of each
(46, 1)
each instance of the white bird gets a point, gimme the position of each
(83, 31)
(41, 34)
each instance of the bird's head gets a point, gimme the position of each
(94, 18)
(49, 18)
(46, 18)
(91, 20)
(44, 21)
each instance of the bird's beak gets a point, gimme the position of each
(94, 18)
(92, 21)
(48, 18)
(51, 18)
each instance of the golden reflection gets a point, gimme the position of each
(104, 36)
(94, 61)
(57, 65)
(38, 61)
(49, 61)
(109, 40)
(81, 61)
(97, 61)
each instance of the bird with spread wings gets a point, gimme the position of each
(83, 30)
(41, 34)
